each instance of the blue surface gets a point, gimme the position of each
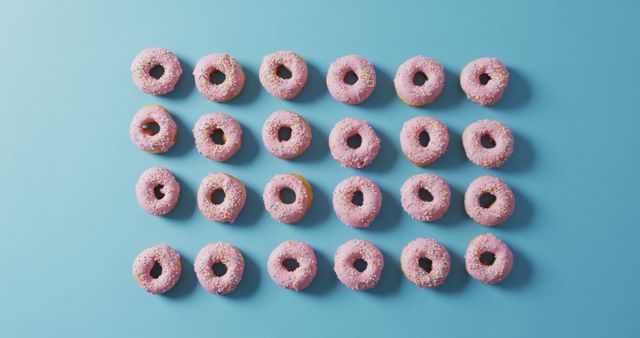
(71, 226)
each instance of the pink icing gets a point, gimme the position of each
(277, 86)
(493, 273)
(167, 258)
(347, 254)
(143, 138)
(488, 157)
(300, 277)
(410, 140)
(232, 136)
(418, 95)
(351, 93)
(162, 179)
(280, 211)
(438, 256)
(353, 215)
(235, 196)
(147, 60)
(489, 93)
(300, 134)
(216, 253)
(229, 88)
(499, 211)
(347, 156)
(425, 211)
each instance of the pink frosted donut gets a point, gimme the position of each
(286, 134)
(489, 201)
(358, 264)
(149, 59)
(213, 64)
(415, 94)
(157, 191)
(153, 130)
(292, 265)
(424, 139)
(279, 207)
(157, 269)
(425, 197)
(488, 259)
(210, 125)
(228, 259)
(288, 86)
(488, 143)
(221, 197)
(354, 143)
(351, 93)
(354, 213)
(484, 80)
(425, 262)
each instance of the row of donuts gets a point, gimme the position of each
(350, 79)
(352, 142)
(356, 200)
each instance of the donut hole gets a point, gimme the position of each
(357, 198)
(287, 196)
(283, 72)
(354, 141)
(487, 258)
(360, 264)
(217, 77)
(218, 196)
(420, 78)
(487, 141)
(151, 128)
(157, 191)
(425, 263)
(156, 270)
(486, 200)
(219, 269)
(217, 136)
(350, 78)
(484, 78)
(156, 72)
(290, 264)
(425, 195)
(424, 138)
(284, 134)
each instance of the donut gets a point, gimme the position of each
(292, 265)
(221, 197)
(228, 258)
(153, 129)
(229, 142)
(488, 259)
(488, 143)
(356, 66)
(279, 207)
(156, 58)
(286, 145)
(157, 269)
(288, 86)
(484, 80)
(344, 146)
(407, 87)
(357, 214)
(489, 201)
(157, 191)
(215, 64)
(425, 262)
(423, 140)
(358, 264)
(425, 197)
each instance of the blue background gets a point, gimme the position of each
(71, 226)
